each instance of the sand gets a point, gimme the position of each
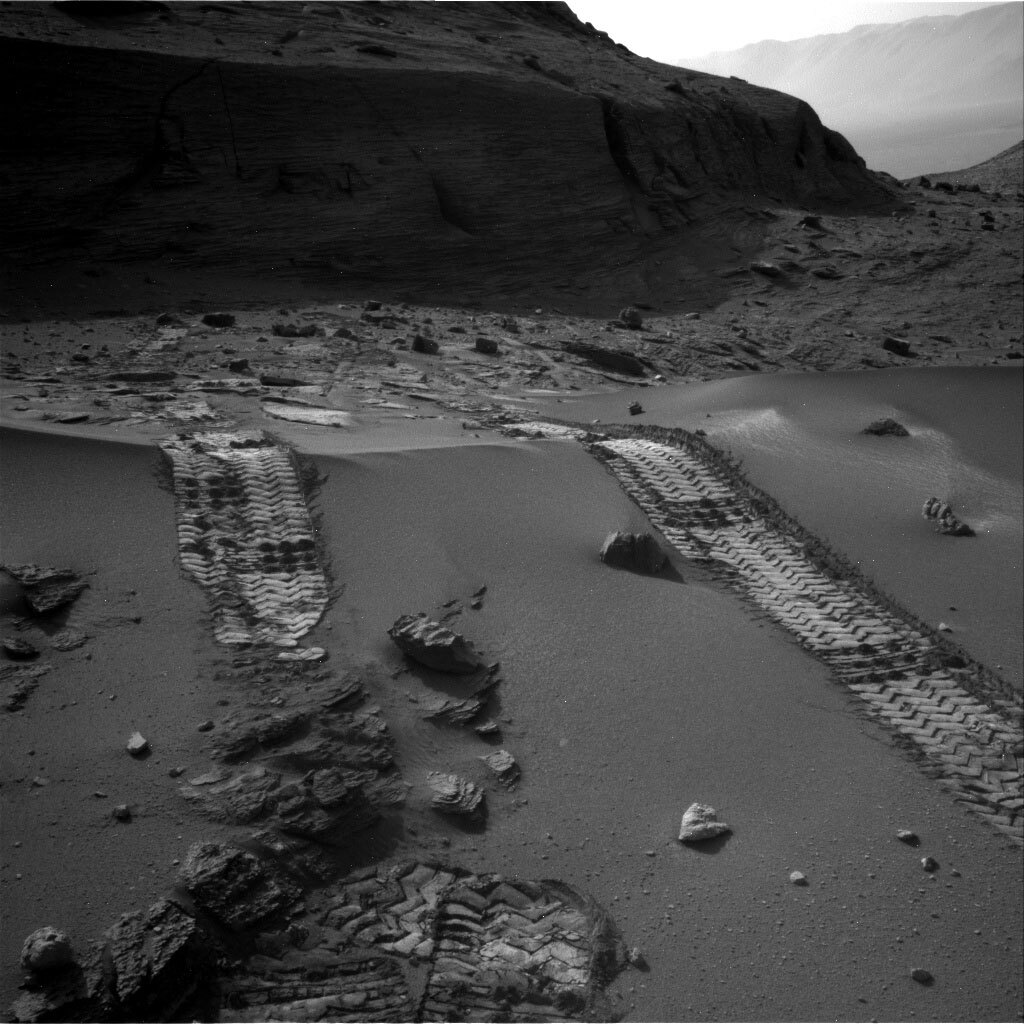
(624, 698)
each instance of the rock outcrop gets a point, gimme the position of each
(497, 150)
(434, 645)
(455, 796)
(945, 521)
(47, 589)
(886, 427)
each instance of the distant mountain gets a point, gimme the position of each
(933, 92)
(1002, 173)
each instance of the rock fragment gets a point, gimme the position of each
(219, 320)
(454, 795)
(488, 346)
(434, 645)
(46, 949)
(798, 878)
(637, 551)
(137, 744)
(906, 836)
(18, 649)
(421, 343)
(766, 268)
(921, 976)
(631, 318)
(503, 765)
(898, 347)
(635, 409)
(700, 822)
(929, 864)
(47, 589)
(122, 812)
(612, 359)
(945, 521)
(887, 427)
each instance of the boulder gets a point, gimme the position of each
(46, 949)
(454, 795)
(945, 521)
(219, 320)
(635, 409)
(434, 645)
(488, 346)
(898, 347)
(887, 427)
(293, 331)
(47, 589)
(632, 318)
(637, 551)
(503, 766)
(137, 744)
(610, 358)
(700, 822)
(421, 343)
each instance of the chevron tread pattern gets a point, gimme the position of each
(976, 748)
(245, 536)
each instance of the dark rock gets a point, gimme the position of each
(811, 221)
(766, 268)
(637, 551)
(827, 272)
(294, 331)
(919, 974)
(234, 886)
(908, 837)
(206, 726)
(455, 796)
(421, 343)
(219, 320)
(434, 645)
(169, 320)
(376, 50)
(898, 347)
(488, 346)
(142, 376)
(17, 683)
(46, 949)
(635, 409)
(122, 812)
(47, 589)
(700, 822)
(371, 305)
(798, 878)
(887, 427)
(18, 649)
(945, 521)
(632, 318)
(612, 359)
(239, 366)
(273, 380)
(929, 864)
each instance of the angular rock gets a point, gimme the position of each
(945, 521)
(18, 649)
(294, 331)
(637, 551)
(612, 359)
(274, 380)
(898, 347)
(503, 765)
(921, 976)
(700, 822)
(929, 864)
(17, 682)
(887, 427)
(421, 343)
(234, 886)
(454, 795)
(122, 812)
(137, 744)
(308, 414)
(434, 645)
(68, 640)
(488, 346)
(143, 376)
(170, 320)
(45, 588)
(908, 837)
(46, 949)
(635, 409)
(798, 878)
(766, 268)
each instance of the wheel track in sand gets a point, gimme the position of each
(898, 671)
(245, 536)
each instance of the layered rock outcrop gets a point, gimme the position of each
(489, 150)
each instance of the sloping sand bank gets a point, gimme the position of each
(625, 698)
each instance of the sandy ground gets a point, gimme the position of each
(625, 698)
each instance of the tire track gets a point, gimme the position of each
(245, 536)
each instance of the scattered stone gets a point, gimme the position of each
(828, 272)
(170, 320)
(929, 864)
(945, 521)
(898, 347)
(766, 268)
(137, 744)
(434, 645)
(635, 408)
(308, 414)
(68, 640)
(219, 320)
(887, 427)
(371, 305)
(454, 795)
(206, 726)
(239, 366)
(294, 331)
(488, 728)
(632, 318)
(798, 878)
(17, 683)
(811, 221)
(612, 359)
(46, 949)
(944, 627)
(274, 380)
(635, 958)
(637, 551)
(18, 649)
(122, 812)
(908, 837)
(503, 765)
(921, 976)
(421, 343)
(302, 654)
(700, 822)
(176, 772)
(45, 588)
(488, 346)
(143, 376)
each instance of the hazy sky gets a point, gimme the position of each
(668, 30)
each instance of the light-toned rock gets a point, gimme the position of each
(137, 744)
(700, 822)
(798, 878)
(503, 765)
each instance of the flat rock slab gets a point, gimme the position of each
(455, 795)
(47, 589)
(308, 414)
(434, 645)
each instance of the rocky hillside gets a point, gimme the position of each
(1003, 172)
(498, 152)
(931, 92)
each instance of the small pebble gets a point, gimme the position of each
(929, 864)
(122, 812)
(798, 878)
(206, 726)
(908, 837)
(920, 975)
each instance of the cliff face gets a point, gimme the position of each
(451, 151)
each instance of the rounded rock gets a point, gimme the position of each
(929, 864)
(46, 949)
(798, 878)
(921, 976)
